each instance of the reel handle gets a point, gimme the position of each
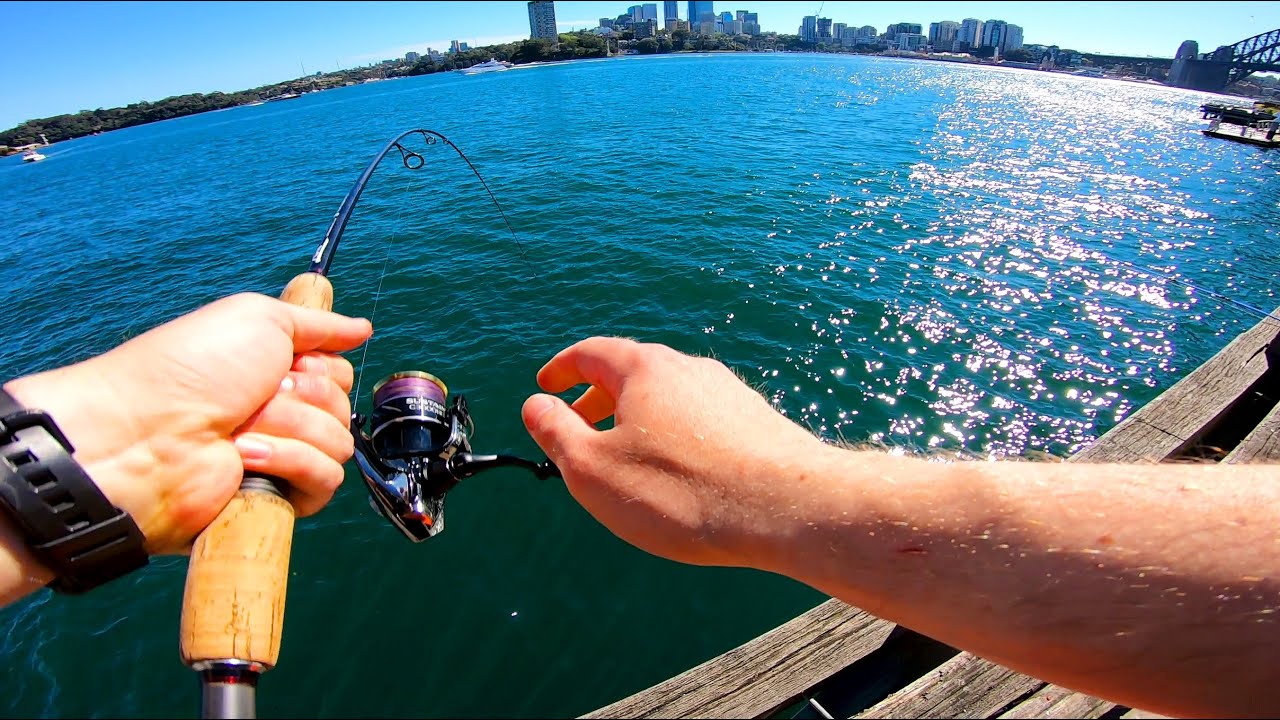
(233, 603)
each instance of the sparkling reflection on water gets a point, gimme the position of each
(1029, 267)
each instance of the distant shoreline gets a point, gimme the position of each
(293, 88)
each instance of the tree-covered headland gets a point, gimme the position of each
(571, 46)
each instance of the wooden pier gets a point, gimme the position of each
(1252, 126)
(838, 661)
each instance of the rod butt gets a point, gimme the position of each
(229, 689)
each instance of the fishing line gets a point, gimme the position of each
(1151, 273)
(412, 160)
(418, 446)
(377, 296)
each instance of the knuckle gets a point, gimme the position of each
(345, 445)
(248, 302)
(331, 477)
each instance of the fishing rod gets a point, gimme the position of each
(419, 449)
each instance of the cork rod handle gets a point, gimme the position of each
(233, 604)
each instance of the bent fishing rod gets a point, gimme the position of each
(418, 450)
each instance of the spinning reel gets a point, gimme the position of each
(418, 450)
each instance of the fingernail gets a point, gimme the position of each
(252, 449)
(287, 384)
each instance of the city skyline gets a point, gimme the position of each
(157, 50)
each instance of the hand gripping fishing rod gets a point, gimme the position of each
(233, 604)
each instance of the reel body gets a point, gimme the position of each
(418, 449)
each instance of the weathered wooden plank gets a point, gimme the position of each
(1053, 701)
(764, 674)
(1178, 416)
(1262, 444)
(965, 686)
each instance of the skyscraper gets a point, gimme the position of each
(824, 29)
(943, 32)
(701, 12)
(649, 11)
(542, 21)
(1012, 38)
(670, 10)
(809, 28)
(970, 33)
(993, 34)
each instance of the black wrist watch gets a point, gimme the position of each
(67, 522)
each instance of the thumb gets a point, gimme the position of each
(557, 428)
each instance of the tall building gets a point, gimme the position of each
(993, 34)
(1012, 38)
(809, 28)
(900, 28)
(649, 11)
(942, 33)
(670, 11)
(912, 41)
(970, 33)
(824, 29)
(542, 21)
(751, 23)
(700, 12)
(837, 30)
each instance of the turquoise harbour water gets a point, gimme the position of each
(914, 253)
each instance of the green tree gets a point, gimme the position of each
(1020, 55)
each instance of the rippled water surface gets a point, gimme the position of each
(992, 262)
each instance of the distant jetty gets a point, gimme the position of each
(1255, 125)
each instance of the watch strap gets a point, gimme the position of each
(67, 522)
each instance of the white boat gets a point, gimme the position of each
(31, 155)
(491, 66)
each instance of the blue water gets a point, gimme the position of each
(911, 253)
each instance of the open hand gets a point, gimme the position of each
(690, 468)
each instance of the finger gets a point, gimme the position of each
(594, 405)
(312, 475)
(287, 416)
(600, 361)
(327, 365)
(313, 329)
(561, 433)
(319, 392)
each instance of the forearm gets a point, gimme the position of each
(20, 572)
(1156, 586)
(64, 394)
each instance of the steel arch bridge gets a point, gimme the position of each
(1260, 53)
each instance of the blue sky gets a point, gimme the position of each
(64, 57)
